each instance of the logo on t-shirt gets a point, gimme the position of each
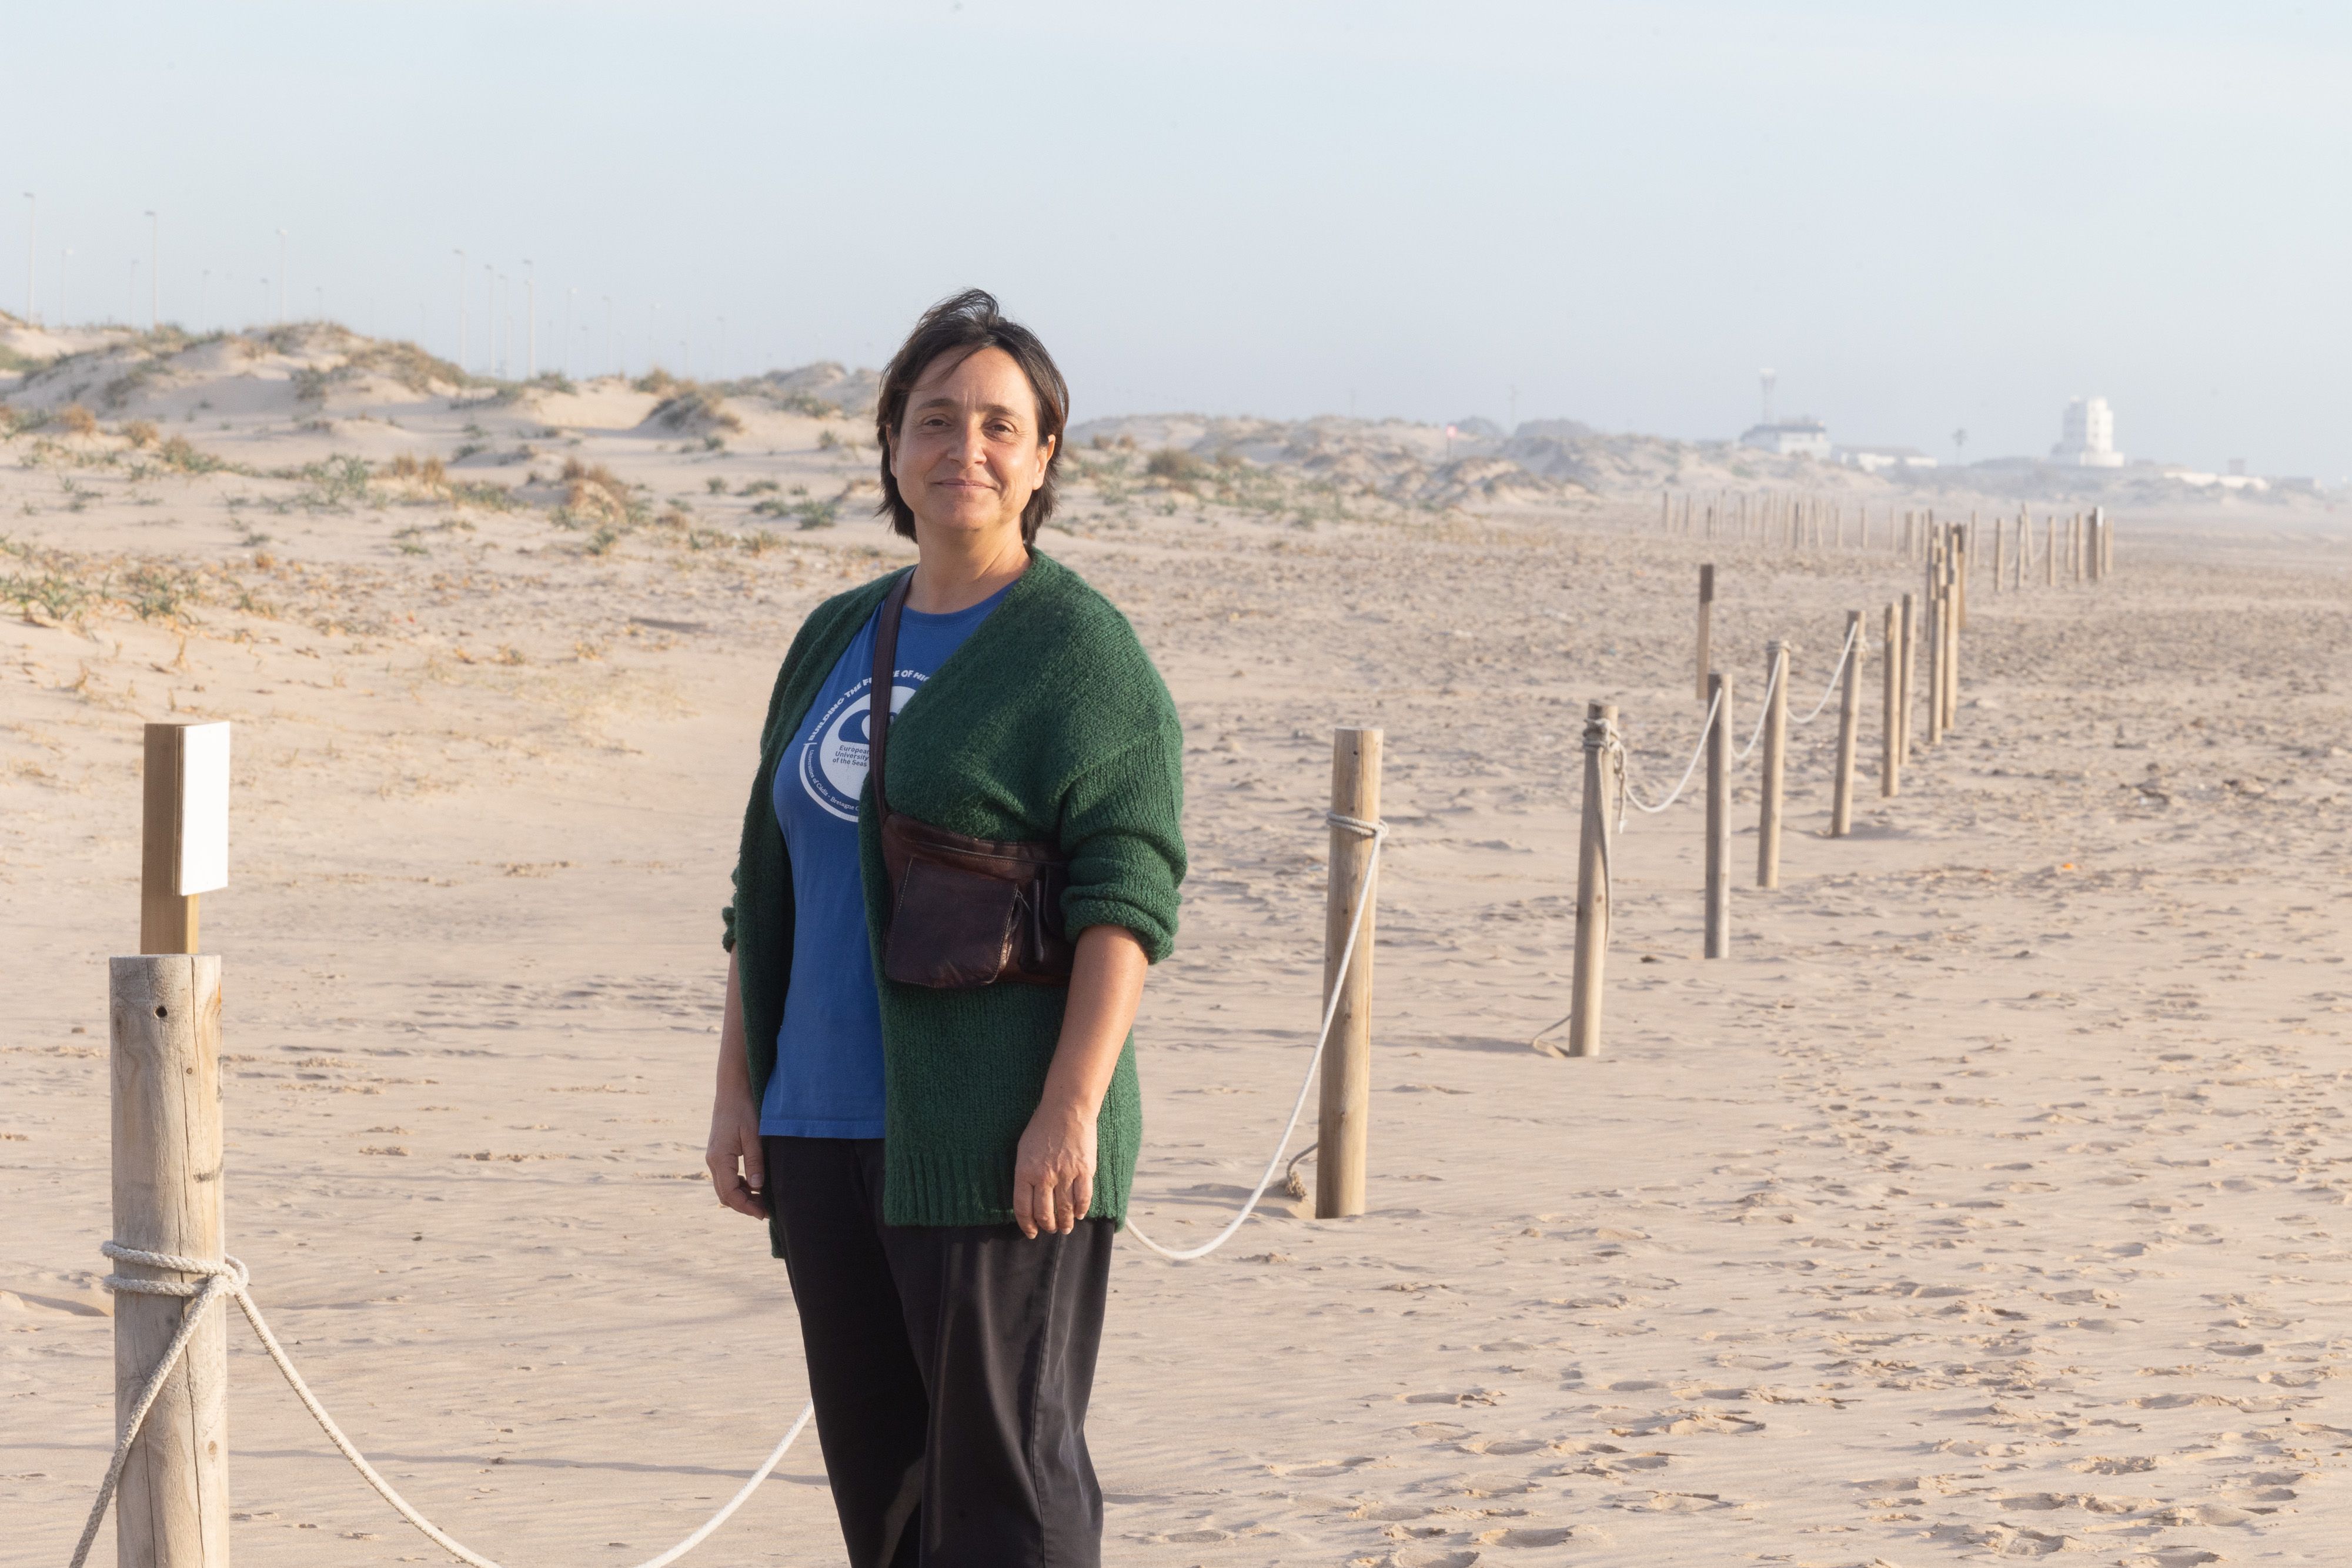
(833, 763)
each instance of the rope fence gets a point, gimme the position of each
(156, 1044)
(204, 1283)
(231, 1278)
(1377, 833)
(1939, 618)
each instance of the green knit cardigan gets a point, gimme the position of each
(1049, 723)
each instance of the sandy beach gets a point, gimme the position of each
(1989, 1202)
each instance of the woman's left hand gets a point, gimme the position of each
(1054, 1173)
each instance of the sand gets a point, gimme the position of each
(1987, 1202)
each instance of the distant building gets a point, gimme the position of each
(2088, 438)
(2183, 475)
(1789, 438)
(1803, 437)
(1871, 459)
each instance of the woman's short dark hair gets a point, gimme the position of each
(962, 325)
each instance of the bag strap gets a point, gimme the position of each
(877, 701)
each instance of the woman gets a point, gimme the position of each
(941, 1163)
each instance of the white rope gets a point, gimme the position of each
(1377, 833)
(230, 1278)
(1626, 786)
(1763, 712)
(1830, 690)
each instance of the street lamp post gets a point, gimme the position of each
(154, 271)
(571, 297)
(489, 318)
(531, 321)
(281, 278)
(32, 249)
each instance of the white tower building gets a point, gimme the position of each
(2088, 435)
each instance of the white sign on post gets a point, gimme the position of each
(204, 809)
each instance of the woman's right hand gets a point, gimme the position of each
(739, 1168)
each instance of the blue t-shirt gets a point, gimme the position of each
(828, 1078)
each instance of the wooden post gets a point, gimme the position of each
(1593, 890)
(1706, 626)
(1999, 552)
(1719, 819)
(2106, 546)
(2050, 550)
(1849, 722)
(1956, 617)
(1910, 684)
(1890, 737)
(1666, 511)
(171, 1510)
(1774, 772)
(1934, 632)
(1348, 1057)
(2099, 551)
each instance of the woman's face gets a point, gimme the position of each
(968, 455)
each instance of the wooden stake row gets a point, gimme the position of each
(1922, 631)
(1810, 522)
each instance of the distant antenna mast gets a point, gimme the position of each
(1768, 378)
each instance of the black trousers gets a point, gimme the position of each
(950, 1367)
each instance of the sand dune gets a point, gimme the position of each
(1988, 1203)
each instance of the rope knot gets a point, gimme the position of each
(232, 1269)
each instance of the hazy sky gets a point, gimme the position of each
(1924, 217)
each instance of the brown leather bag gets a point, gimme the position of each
(964, 912)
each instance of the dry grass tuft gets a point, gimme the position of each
(77, 420)
(591, 493)
(178, 452)
(425, 474)
(139, 432)
(1176, 468)
(409, 365)
(694, 409)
